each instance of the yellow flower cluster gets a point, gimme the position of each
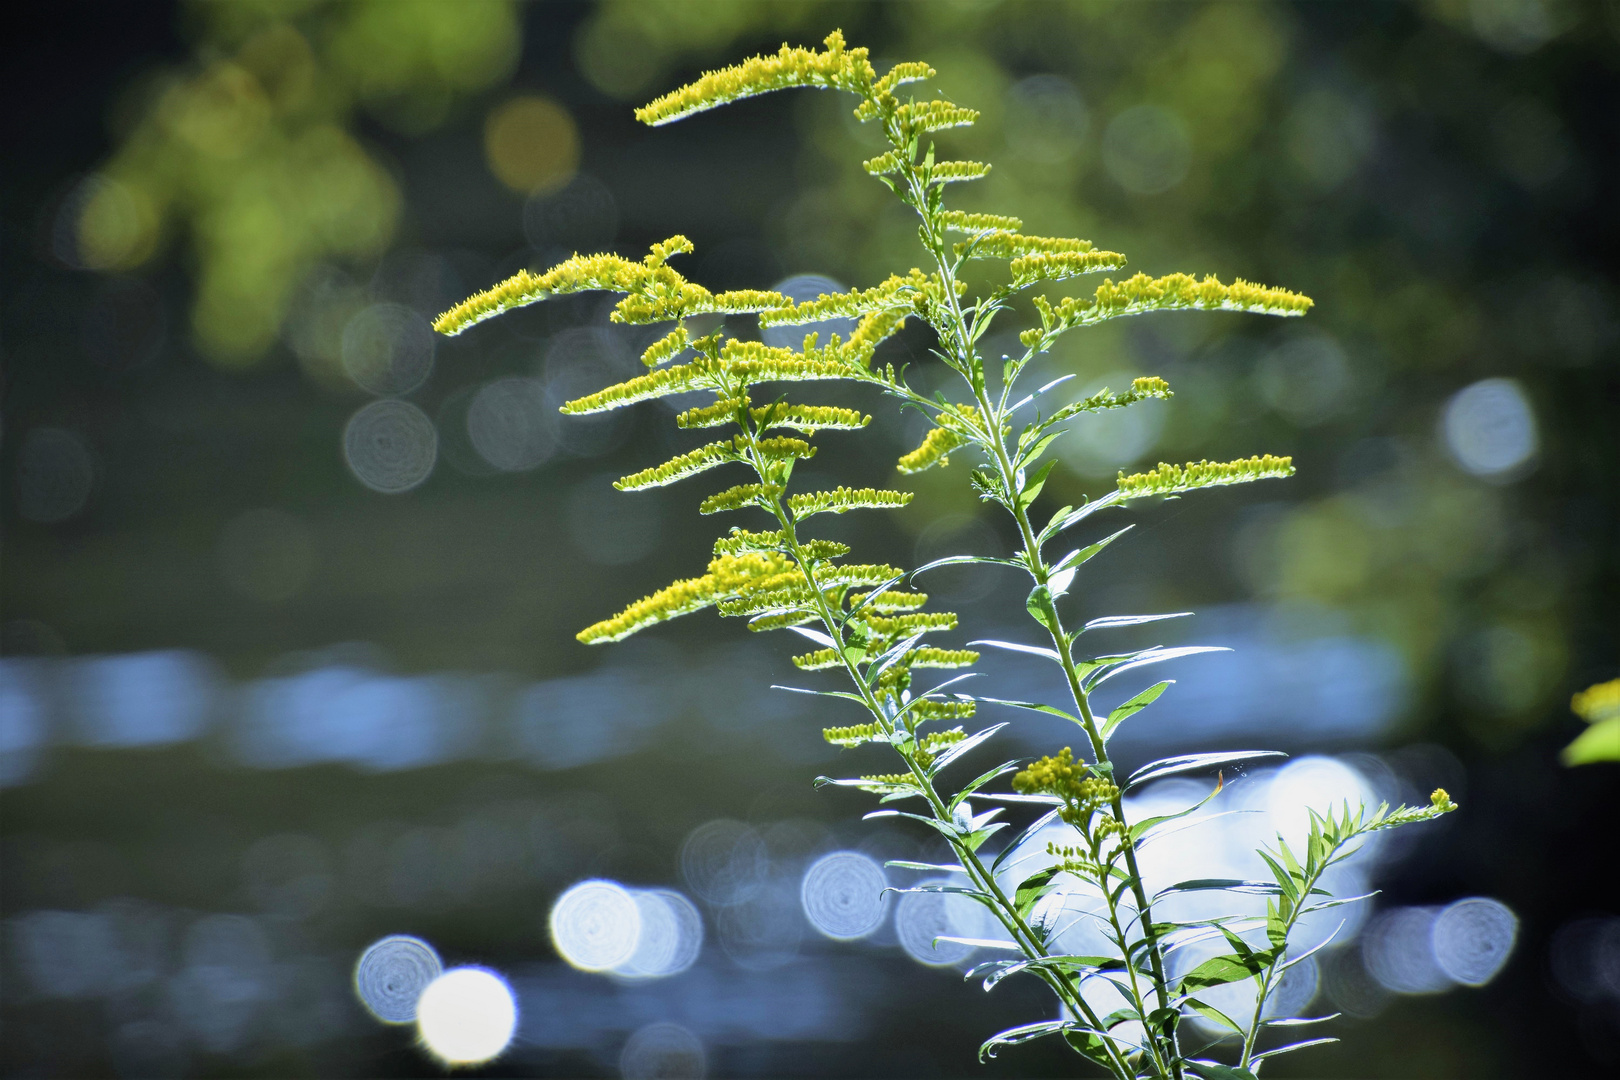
(893, 626)
(951, 172)
(736, 498)
(822, 550)
(857, 574)
(1142, 389)
(1440, 800)
(666, 347)
(891, 600)
(842, 499)
(935, 446)
(728, 575)
(894, 291)
(721, 412)
(680, 467)
(854, 735)
(1143, 293)
(740, 540)
(1028, 269)
(935, 114)
(810, 418)
(939, 740)
(928, 709)
(884, 783)
(962, 221)
(820, 660)
(930, 657)
(884, 164)
(1005, 244)
(1065, 777)
(1170, 479)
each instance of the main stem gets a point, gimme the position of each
(1005, 910)
(972, 364)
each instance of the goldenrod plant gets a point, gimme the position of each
(866, 622)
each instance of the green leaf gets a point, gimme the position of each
(1141, 828)
(1085, 554)
(1033, 888)
(1220, 970)
(1173, 766)
(1033, 454)
(1039, 605)
(1111, 622)
(1212, 1013)
(1032, 706)
(1134, 706)
(1036, 482)
(1214, 1070)
(1600, 742)
(1292, 1047)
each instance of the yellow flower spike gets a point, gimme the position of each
(928, 709)
(938, 740)
(727, 575)
(665, 347)
(842, 499)
(1002, 244)
(955, 172)
(962, 221)
(895, 291)
(933, 450)
(891, 600)
(741, 540)
(837, 68)
(884, 164)
(820, 660)
(898, 625)
(680, 467)
(810, 418)
(1441, 801)
(1173, 479)
(1058, 265)
(721, 412)
(739, 497)
(854, 735)
(929, 657)
(935, 114)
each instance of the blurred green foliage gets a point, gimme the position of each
(249, 151)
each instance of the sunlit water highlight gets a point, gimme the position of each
(466, 1016)
(596, 925)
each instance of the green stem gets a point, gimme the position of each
(1038, 570)
(982, 878)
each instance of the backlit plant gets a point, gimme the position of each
(867, 624)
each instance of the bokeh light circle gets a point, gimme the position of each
(390, 446)
(596, 925)
(843, 895)
(392, 974)
(921, 917)
(1473, 938)
(510, 424)
(466, 1016)
(663, 1051)
(724, 861)
(670, 937)
(387, 349)
(1490, 429)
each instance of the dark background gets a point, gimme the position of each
(1438, 176)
